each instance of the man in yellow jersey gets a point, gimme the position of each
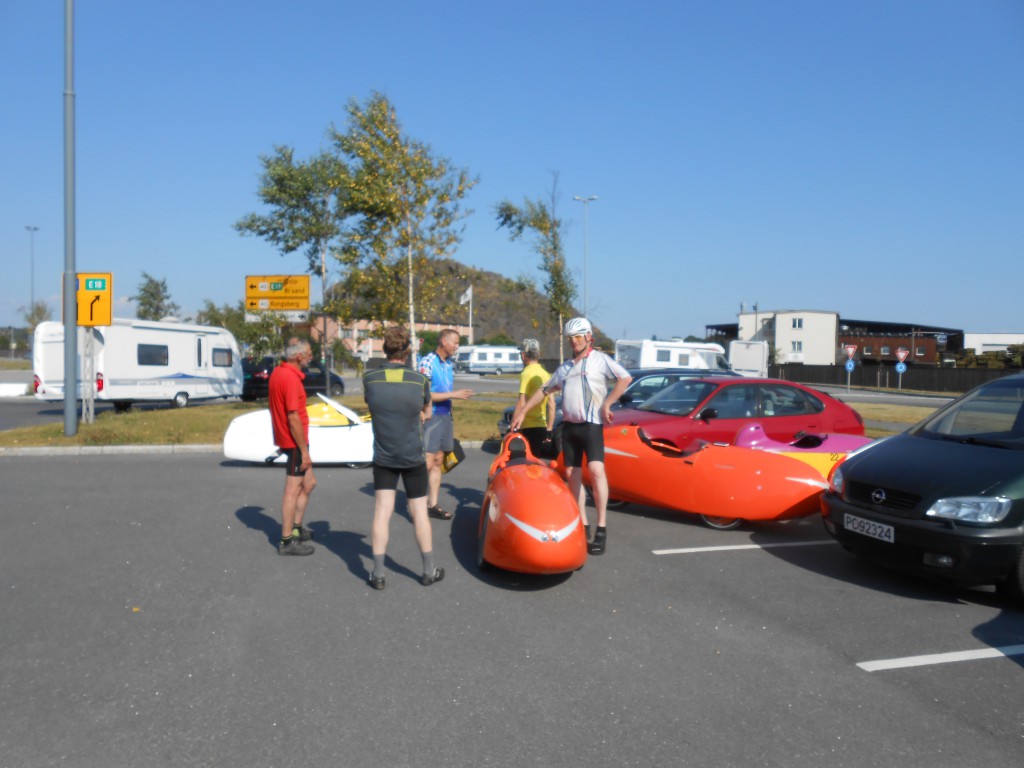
(539, 422)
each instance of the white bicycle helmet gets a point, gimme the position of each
(578, 325)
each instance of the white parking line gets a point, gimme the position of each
(941, 658)
(692, 550)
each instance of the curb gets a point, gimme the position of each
(107, 450)
(123, 450)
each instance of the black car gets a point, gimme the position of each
(257, 378)
(946, 497)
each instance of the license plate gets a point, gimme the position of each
(869, 528)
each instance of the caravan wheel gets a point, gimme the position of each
(122, 406)
(180, 400)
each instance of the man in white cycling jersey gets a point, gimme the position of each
(586, 408)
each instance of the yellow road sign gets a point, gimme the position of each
(93, 294)
(277, 287)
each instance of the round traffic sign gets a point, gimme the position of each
(850, 365)
(901, 368)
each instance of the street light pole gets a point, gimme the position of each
(31, 267)
(586, 201)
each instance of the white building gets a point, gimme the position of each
(991, 342)
(797, 335)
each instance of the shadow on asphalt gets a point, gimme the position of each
(1005, 629)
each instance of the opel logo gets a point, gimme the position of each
(878, 496)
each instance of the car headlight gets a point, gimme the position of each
(972, 509)
(835, 479)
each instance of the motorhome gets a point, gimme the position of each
(136, 361)
(484, 359)
(749, 358)
(462, 358)
(651, 353)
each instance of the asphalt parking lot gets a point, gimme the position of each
(147, 620)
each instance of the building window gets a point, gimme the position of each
(798, 322)
(868, 349)
(919, 351)
(797, 346)
(886, 351)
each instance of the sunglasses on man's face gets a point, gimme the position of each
(578, 337)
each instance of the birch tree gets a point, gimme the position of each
(539, 219)
(408, 204)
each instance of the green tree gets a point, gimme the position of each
(408, 204)
(153, 301)
(265, 336)
(38, 313)
(540, 218)
(308, 207)
(1015, 356)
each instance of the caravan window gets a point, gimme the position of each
(221, 358)
(153, 354)
(664, 356)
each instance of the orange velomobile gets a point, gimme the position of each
(724, 484)
(529, 522)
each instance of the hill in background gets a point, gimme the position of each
(503, 306)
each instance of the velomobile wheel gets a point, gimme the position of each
(482, 564)
(721, 523)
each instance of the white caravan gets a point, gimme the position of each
(137, 361)
(749, 358)
(649, 353)
(497, 360)
(462, 358)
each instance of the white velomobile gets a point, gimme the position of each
(337, 435)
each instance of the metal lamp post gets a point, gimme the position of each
(586, 201)
(31, 266)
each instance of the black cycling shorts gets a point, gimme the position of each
(582, 439)
(413, 478)
(293, 462)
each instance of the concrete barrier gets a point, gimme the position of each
(13, 390)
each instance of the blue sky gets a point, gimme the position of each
(860, 157)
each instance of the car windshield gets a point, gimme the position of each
(678, 399)
(992, 414)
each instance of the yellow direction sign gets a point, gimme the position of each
(93, 292)
(277, 287)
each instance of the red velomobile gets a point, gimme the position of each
(529, 522)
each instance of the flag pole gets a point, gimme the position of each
(467, 296)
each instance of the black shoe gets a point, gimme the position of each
(438, 513)
(427, 579)
(596, 547)
(302, 534)
(293, 546)
(377, 582)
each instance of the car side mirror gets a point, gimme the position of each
(707, 414)
(626, 399)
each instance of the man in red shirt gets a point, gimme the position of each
(287, 400)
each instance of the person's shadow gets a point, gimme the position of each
(350, 547)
